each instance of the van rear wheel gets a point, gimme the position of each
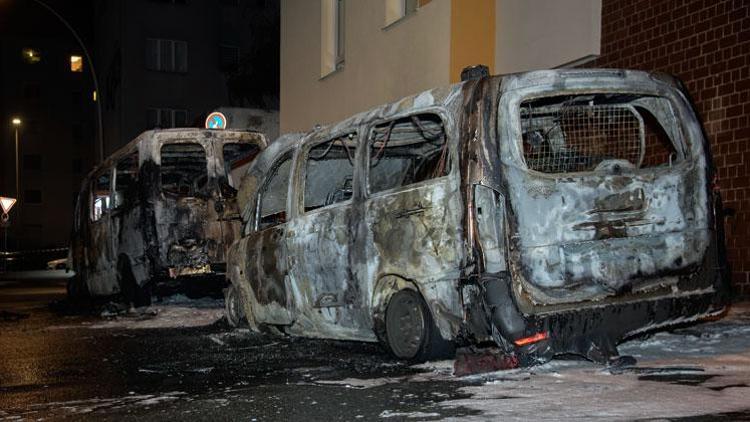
(233, 306)
(410, 332)
(130, 291)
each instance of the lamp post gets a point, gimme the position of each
(99, 129)
(16, 124)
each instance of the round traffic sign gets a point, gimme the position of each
(216, 120)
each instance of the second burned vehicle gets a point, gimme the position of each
(161, 208)
(552, 212)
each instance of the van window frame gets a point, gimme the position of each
(208, 154)
(136, 179)
(509, 105)
(300, 178)
(452, 154)
(108, 170)
(267, 176)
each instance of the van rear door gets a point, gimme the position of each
(608, 191)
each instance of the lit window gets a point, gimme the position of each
(30, 56)
(76, 64)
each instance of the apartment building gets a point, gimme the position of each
(168, 63)
(343, 56)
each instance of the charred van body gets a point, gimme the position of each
(161, 208)
(551, 212)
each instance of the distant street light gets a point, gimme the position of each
(100, 130)
(16, 124)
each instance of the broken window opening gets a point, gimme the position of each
(406, 151)
(580, 133)
(100, 191)
(273, 195)
(184, 169)
(329, 171)
(126, 174)
(237, 157)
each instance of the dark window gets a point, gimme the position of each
(76, 131)
(406, 151)
(32, 162)
(229, 57)
(76, 166)
(237, 157)
(165, 118)
(340, 40)
(126, 175)
(230, 3)
(166, 55)
(184, 169)
(32, 91)
(32, 196)
(329, 170)
(76, 100)
(273, 195)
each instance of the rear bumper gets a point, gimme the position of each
(593, 330)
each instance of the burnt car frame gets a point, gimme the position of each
(162, 208)
(545, 213)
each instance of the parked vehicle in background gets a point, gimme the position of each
(161, 208)
(550, 212)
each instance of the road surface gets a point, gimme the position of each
(178, 359)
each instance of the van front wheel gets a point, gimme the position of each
(233, 306)
(409, 329)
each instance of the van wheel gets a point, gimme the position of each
(130, 291)
(233, 306)
(410, 331)
(76, 289)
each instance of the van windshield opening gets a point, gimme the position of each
(592, 132)
(184, 169)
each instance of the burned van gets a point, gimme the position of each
(545, 213)
(161, 208)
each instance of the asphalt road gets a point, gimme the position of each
(179, 360)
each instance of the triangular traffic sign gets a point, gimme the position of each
(7, 204)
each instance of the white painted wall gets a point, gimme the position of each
(381, 65)
(539, 34)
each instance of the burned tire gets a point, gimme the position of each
(130, 291)
(233, 306)
(410, 332)
(76, 289)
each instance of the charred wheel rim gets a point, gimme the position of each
(233, 309)
(405, 324)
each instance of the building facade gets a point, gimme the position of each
(46, 84)
(168, 63)
(339, 57)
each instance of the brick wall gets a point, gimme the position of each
(706, 43)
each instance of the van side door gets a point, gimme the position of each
(319, 236)
(266, 263)
(414, 209)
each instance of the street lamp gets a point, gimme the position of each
(16, 124)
